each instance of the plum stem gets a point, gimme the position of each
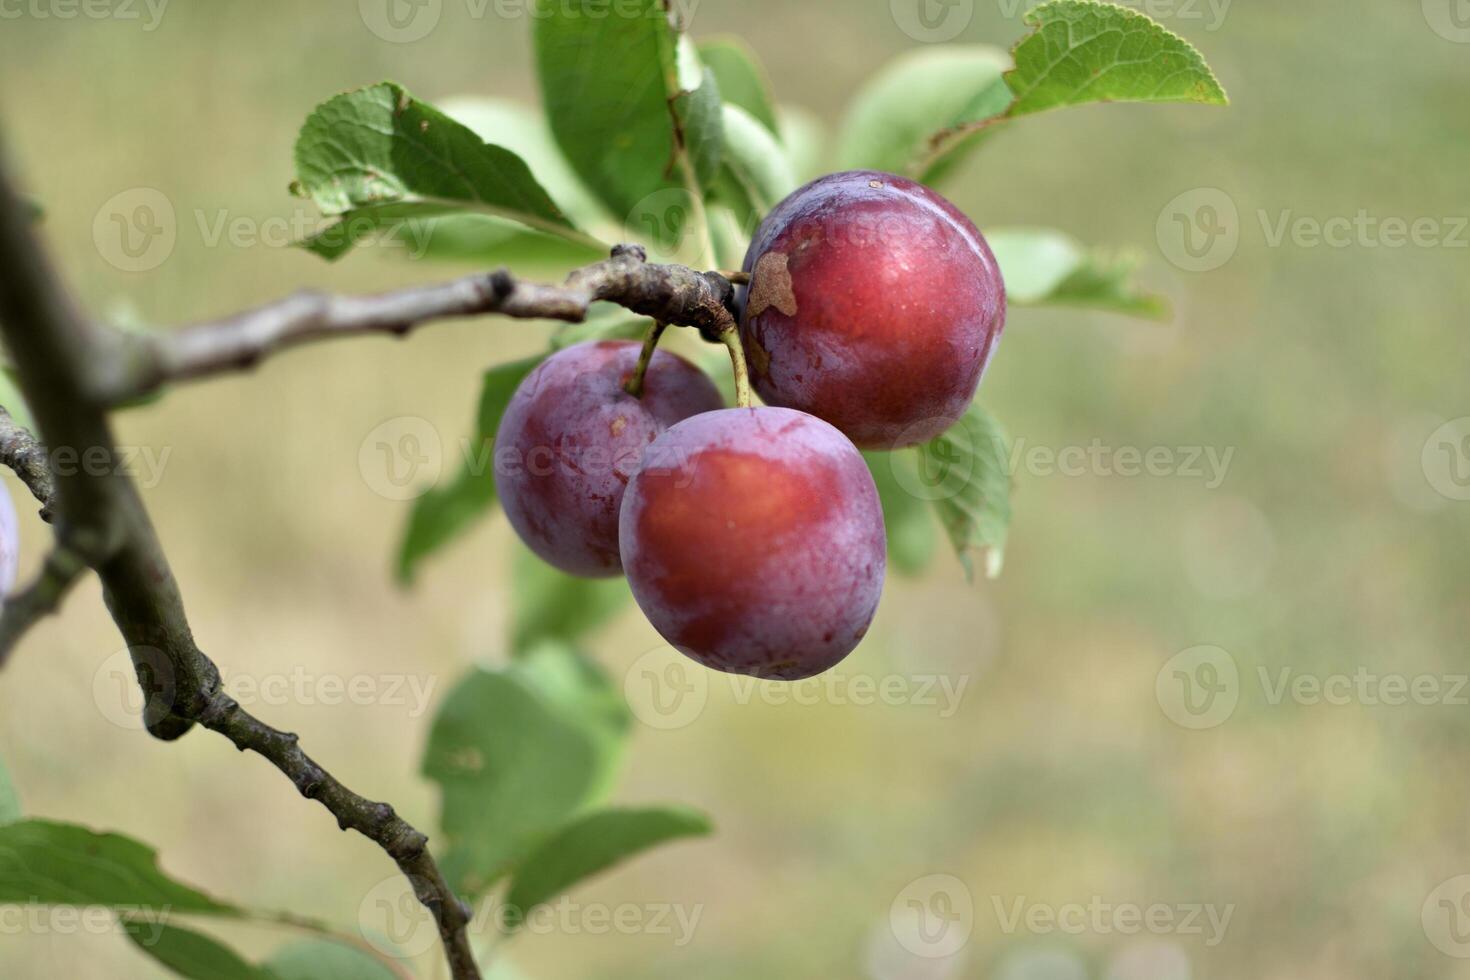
(634, 386)
(730, 337)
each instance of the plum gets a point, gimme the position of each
(753, 542)
(874, 304)
(571, 438)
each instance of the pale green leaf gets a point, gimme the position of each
(966, 474)
(807, 143)
(191, 955)
(1083, 51)
(901, 120)
(908, 519)
(52, 863)
(742, 78)
(628, 101)
(757, 174)
(593, 844)
(516, 753)
(379, 154)
(1045, 267)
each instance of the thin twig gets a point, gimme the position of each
(671, 294)
(27, 607)
(20, 451)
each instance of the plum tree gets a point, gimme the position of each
(753, 541)
(571, 438)
(874, 304)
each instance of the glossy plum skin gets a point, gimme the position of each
(875, 304)
(753, 542)
(572, 437)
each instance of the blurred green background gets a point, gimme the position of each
(1333, 833)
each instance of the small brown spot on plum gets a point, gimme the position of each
(618, 425)
(770, 286)
(875, 183)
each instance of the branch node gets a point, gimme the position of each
(637, 252)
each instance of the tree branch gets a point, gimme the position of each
(670, 294)
(20, 451)
(56, 353)
(24, 609)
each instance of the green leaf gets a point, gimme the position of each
(447, 511)
(322, 959)
(807, 143)
(47, 863)
(1045, 267)
(518, 751)
(592, 844)
(966, 474)
(901, 120)
(484, 240)
(524, 131)
(190, 954)
(480, 240)
(547, 604)
(742, 79)
(376, 156)
(757, 174)
(907, 517)
(1083, 51)
(632, 108)
(10, 810)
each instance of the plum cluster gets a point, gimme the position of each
(753, 538)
